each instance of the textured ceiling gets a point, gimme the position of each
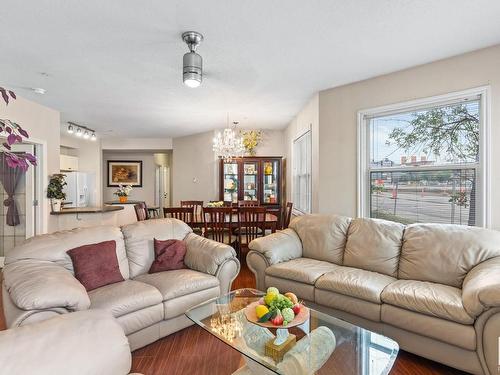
(116, 64)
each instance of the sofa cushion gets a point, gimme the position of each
(354, 282)
(169, 255)
(96, 264)
(139, 241)
(463, 336)
(323, 236)
(444, 253)
(178, 306)
(143, 318)
(374, 245)
(352, 305)
(125, 297)
(177, 283)
(432, 299)
(304, 270)
(301, 290)
(53, 247)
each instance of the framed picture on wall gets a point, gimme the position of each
(124, 172)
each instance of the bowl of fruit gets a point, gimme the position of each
(276, 310)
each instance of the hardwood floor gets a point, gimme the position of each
(193, 351)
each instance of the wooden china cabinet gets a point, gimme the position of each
(253, 178)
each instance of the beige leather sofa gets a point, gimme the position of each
(39, 282)
(433, 288)
(86, 342)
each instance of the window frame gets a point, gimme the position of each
(299, 210)
(482, 169)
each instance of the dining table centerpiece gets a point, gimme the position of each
(123, 192)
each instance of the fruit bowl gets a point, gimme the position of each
(299, 319)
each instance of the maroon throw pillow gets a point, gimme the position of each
(169, 255)
(96, 264)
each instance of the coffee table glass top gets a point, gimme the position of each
(324, 344)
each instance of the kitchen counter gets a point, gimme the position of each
(127, 202)
(87, 210)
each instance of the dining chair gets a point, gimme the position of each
(141, 211)
(251, 224)
(218, 222)
(184, 214)
(198, 217)
(287, 215)
(249, 203)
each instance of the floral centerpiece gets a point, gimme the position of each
(215, 204)
(123, 192)
(14, 134)
(251, 139)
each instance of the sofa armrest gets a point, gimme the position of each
(205, 255)
(40, 285)
(481, 287)
(85, 342)
(215, 258)
(278, 247)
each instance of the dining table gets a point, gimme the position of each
(271, 221)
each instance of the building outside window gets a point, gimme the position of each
(426, 161)
(302, 164)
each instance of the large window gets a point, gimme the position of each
(426, 161)
(302, 173)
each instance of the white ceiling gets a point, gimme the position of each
(117, 64)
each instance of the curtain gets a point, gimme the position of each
(10, 177)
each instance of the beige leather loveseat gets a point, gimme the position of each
(433, 288)
(85, 342)
(39, 282)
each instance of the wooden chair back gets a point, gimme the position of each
(141, 211)
(218, 223)
(181, 213)
(287, 215)
(197, 209)
(249, 203)
(251, 223)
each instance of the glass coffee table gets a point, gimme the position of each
(324, 344)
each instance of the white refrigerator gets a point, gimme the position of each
(79, 189)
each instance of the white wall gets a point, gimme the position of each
(195, 168)
(147, 191)
(307, 118)
(42, 123)
(136, 143)
(338, 107)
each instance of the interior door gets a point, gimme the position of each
(162, 195)
(24, 196)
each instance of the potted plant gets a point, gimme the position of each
(123, 192)
(55, 191)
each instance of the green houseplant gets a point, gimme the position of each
(55, 191)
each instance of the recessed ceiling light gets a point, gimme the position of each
(39, 90)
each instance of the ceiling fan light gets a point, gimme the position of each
(192, 72)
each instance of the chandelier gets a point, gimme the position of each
(227, 144)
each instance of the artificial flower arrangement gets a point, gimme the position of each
(14, 134)
(215, 204)
(251, 139)
(123, 192)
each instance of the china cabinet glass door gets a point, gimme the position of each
(231, 182)
(270, 181)
(250, 182)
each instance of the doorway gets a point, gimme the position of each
(21, 220)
